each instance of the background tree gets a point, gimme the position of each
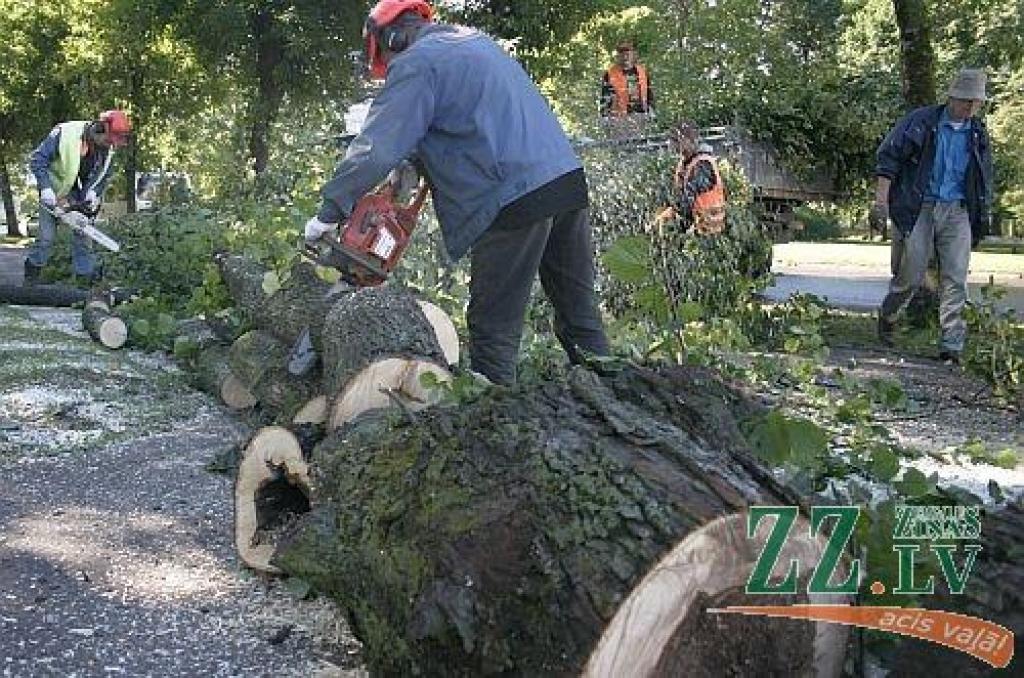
(917, 58)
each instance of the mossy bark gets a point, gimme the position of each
(501, 535)
(259, 361)
(373, 324)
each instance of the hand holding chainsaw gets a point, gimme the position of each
(81, 219)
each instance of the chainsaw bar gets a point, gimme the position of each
(83, 224)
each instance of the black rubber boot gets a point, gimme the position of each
(32, 273)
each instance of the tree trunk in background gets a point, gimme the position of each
(8, 198)
(131, 164)
(917, 58)
(269, 57)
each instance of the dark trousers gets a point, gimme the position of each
(504, 263)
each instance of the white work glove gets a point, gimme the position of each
(315, 229)
(92, 201)
(48, 198)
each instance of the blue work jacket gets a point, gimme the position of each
(906, 157)
(475, 121)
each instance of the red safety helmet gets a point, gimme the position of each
(382, 14)
(117, 126)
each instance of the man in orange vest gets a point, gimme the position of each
(626, 87)
(699, 194)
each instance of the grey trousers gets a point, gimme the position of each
(83, 261)
(946, 228)
(504, 263)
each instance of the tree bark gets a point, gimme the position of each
(562, 530)
(917, 57)
(270, 51)
(212, 374)
(42, 295)
(7, 196)
(302, 302)
(259, 361)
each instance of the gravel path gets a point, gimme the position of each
(115, 552)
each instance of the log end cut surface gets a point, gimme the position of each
(271, 488)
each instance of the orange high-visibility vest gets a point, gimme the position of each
(708, 207)
(617, 79)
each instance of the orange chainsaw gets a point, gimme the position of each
(373, 240)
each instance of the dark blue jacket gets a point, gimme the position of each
(906, 156)
(471, 115)
(94, 172)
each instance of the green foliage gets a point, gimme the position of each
(816, 225)
(782, 440)
(995, 348)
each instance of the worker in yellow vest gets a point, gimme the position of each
(72, 167)
(699, 194)
(626, 86)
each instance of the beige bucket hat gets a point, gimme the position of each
(969, 83)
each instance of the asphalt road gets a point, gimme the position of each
(856, 277)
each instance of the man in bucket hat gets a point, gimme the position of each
(934, 172)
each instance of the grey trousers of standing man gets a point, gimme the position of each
(946, 227)
(504, 263)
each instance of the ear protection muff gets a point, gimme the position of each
(393, 39)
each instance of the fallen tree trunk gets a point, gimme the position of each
(42, 295)
(579, 527)
(103, 326)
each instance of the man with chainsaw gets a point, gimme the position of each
(698, 191)
(72, 167)
(505, 182)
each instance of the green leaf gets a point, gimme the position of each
(690, 311)
(884, 464)
(271, 283)
(779, 440)
(629, 259)
(916, 484)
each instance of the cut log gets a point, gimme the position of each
(371, 325)
(385, 383)
(303, 301)
(271, 488)
(444, 330)
(42, 295)
(259, 361)
(103, 326)
(580, 527)
(213, 375)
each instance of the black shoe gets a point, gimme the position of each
(32, 273)
(886, 329)
(949, 357)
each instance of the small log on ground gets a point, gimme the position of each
(271, 488)
(102, 325)
(377, 341)
(42, 295)
(212, 374)
(259, 361)
(580, 527)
